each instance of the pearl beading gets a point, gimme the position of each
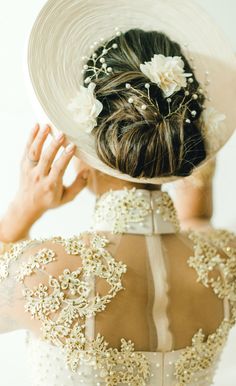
(194, 365)
(203, 353)
(62, 314)
(135, 211)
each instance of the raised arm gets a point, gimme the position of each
(41, 185)
(193, 198)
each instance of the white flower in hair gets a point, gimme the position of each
(86, 108)
(212, 126)
(167, 72)
(211, 118)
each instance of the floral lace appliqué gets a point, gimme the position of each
(122, 208)
(130, 207)
(37, 261)
(207, 256)
(125, 366)
(202, 354)
(63, 305)
(7, 258)
(165, 207)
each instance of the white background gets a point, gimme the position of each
(17, 117)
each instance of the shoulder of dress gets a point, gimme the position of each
(27, 255)
(214, 242)
(84, 238)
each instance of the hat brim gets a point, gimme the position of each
(65, 29)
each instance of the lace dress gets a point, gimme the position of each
(134, 301)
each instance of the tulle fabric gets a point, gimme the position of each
(162, 305)
(160, 309)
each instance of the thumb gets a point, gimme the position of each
(71, 191)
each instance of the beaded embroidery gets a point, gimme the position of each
(12, 255)
(63, 305)
(202, 353)
(125, 366)
(132, 207)
(128, 208)
(37, 261)
(165, 207)
(207, 257)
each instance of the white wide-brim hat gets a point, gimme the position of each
(65, 30)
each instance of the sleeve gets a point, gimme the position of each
(16, 258)
(45, 285)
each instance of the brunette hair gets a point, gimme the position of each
(137, 141)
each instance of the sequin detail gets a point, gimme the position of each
(63, 305)
(131, 207)
(125, 366)
(202, 354)
(165, 207)
(122, 208)
(207, 256)
(35, 262)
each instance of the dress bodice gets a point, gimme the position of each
(137, 302)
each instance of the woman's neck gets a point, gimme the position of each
(99, 183)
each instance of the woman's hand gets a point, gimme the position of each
(41, 184)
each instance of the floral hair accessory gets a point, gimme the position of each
(167, 72)
(98, 61)
(86, 108)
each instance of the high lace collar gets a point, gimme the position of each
(137, 211)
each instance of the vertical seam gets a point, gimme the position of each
(162, 369)
(152, 213)
(160, 293)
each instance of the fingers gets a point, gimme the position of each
(35, 149)
(59, 167)
(32, 136)
(49, 155)
(75, 188)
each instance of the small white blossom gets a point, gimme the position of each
(167, 72)
(212, 118)
(86, 108)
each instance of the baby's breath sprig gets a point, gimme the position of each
(99, 64)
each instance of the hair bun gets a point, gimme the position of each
(140, 138)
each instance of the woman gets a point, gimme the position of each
(133, 301)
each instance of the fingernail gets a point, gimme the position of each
(70, 148)
(59, 136)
